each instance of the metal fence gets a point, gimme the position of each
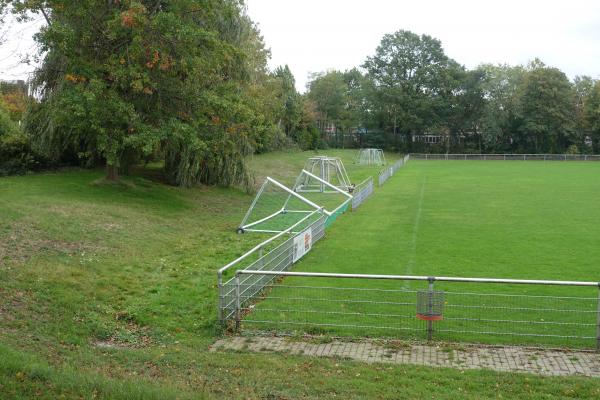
(508, 157)
(492, 311)
(387, 172)
(280, 257)
(362, 192)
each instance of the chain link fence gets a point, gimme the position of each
(388, 172)
(491, 311)
(508, 157)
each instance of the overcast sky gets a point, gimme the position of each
(313, 36)
(316, 35)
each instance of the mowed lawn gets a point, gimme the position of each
(109, 292)
(519, 220)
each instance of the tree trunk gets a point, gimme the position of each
(112, 173)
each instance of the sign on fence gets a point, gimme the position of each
(302, 244)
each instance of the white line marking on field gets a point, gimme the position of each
(413, 247)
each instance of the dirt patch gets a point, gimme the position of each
(130, 336)
(21, 241)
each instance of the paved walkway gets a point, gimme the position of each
(508, 359)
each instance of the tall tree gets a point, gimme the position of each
(583, 87)
(546, 109)
(121, 79)
(290, 100)
(408, 71)
(592, 116)
(498, 124)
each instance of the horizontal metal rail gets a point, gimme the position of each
(507, 157)
(425, 278)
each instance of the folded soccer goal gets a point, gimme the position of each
(370, 157)
(277, 208)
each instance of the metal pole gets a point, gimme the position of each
(430, 310)
(598, 322)
(238, 311)
(220, 300)
(420, 278)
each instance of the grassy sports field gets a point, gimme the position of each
(518, 220)
(108, 291)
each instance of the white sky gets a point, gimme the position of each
(314, 36)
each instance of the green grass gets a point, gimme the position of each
(109, 291)
(519, 220)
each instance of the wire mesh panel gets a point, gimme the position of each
(339, 311)
(519, 319)
(384, 307)
(280, 258)
(362, 192)
(386, 173)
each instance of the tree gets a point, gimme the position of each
(546, 109)
(583, 87)
(328, 92)
(498, 122)
(123, 79)
(466, 104)
(592, 116)
(408, 72)
(291, 102)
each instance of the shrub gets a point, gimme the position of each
(573, 149)
(7, 126)
(16, 156)
(309, 139)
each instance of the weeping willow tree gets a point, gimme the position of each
(121, 80)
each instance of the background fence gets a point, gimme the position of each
(387, 172)
(493, 311)
(508, 157)
(270, 255)
(361, 192)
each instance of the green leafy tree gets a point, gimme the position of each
(465, 106)
(546, 109)
(291, 102)
(328, 92)
(408, 71)
(583, 87)
(498, 124)
(592, 116)
(124, 79)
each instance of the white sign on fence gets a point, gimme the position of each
(302, 244)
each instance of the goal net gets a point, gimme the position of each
(329, 170)
(370, 157)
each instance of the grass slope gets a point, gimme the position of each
(108, 291)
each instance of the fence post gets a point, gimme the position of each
(238, 311)
(430, 309)
(598, 322)
(220, 300)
